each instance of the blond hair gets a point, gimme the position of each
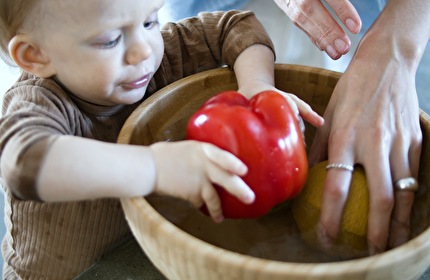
(12, 16)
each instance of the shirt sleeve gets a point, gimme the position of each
(33, 118)
(210, 40)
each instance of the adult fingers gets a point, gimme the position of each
(403, 164)
(400, 224)
(346, 12)
(336, 188)
(323, 29)
(318, 149)
(381, 202)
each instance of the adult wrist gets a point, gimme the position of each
(392, 47)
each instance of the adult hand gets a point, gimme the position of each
(372, 119)
(322, 28)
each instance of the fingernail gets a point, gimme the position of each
(240, 169)
(249, 197)
(331, 51)
(340, 45)
(219, 219)
(243, 169)
(397, 242)
(352, 26)
(400, 238)
(325, 240)
(373, 250)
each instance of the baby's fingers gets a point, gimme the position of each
(225, 160)
(306, 112)
(213, 203)
(237, 187)
(224, 170)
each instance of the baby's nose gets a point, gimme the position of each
(138, 52)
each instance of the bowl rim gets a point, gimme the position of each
(399, 255)
(417, 245)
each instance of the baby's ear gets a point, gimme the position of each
(29, 57)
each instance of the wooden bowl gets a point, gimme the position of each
(185, 244)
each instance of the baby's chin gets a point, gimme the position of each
(129, 97)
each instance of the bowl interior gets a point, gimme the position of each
(163, 117)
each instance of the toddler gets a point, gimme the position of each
(86, 65)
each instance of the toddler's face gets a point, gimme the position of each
(103, 51)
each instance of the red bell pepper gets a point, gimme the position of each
(264, 133)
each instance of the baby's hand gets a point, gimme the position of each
(303, 109)
(188, 170)
(299, 107)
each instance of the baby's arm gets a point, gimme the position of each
(254, 69)
(78, 169)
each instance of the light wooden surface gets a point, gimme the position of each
(179, 255)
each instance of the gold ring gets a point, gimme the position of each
(406, 184)
(340, 166)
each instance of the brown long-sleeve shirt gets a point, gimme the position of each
(60, 240)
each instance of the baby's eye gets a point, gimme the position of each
(110, 44)
(150, 24)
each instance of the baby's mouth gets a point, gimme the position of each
(141, 82)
